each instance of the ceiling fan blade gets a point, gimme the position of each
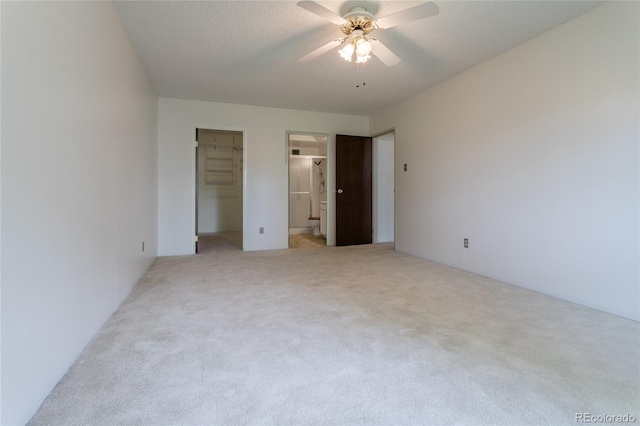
(384, 54)
(321, 50)
(321, 11)
(412, 14)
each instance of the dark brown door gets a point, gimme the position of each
(353, 185)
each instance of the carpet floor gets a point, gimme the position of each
(213, 241)
(359, 335)
(306, 241)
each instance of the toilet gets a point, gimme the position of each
(314, 223)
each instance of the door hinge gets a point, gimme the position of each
(196, 144)
(195, 238)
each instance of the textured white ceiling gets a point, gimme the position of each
(246, 52)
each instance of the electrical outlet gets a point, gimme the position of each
(466, 243)
(262, 230)
(405, 167)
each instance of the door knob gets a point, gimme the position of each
(340, 191)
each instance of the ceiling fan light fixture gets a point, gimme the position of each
(359, 45)
(347, 52)
(363, 47)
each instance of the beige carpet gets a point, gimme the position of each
(214, 241)
(349, 335)
(306, 241)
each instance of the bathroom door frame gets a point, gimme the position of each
(329, 176)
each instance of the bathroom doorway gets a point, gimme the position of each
(307, 159)
(219, 188)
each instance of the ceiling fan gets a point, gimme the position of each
(358, 24)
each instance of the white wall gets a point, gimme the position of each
(533, 156)
(383, 188)
(265, 159)
(78, 187)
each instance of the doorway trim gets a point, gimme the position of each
(194, 177)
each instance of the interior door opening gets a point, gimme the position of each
(219, 188)
(308, 183)
(384, 188)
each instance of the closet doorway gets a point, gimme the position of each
(219, 188)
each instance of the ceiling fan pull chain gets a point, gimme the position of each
(358, 75)
(364, 77)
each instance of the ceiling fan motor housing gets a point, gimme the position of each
(359, 19)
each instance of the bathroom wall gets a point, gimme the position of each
(308, 150)
(318, 184)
